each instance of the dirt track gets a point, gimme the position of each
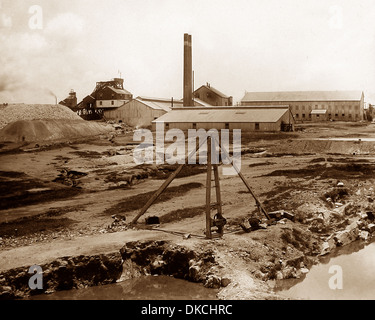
(59, 201)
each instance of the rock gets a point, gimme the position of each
(338, 204)
(371, 227)
(279, 275)
(363, 235)
(328, 246)
(289, 216)
(158, 264)
(348, 235)
(304, 270)
(153, 220)
(289, 272)
(225, 282)
(213, 282)
(276, 215)
(370, 215)
(363, 215)
(259, 275)
(195, 273)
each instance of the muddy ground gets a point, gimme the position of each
(60, 200)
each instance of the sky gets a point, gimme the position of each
(48, 47)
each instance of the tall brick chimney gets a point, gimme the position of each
(188, 71)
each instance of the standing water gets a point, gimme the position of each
(142, 288)
(347, 274)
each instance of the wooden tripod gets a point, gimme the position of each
(219, 221)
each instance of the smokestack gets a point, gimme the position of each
(188, 71)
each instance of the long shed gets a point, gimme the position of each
(140, 112)
(266, 119)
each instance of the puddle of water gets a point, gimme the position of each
(143, 288)
(356, 264)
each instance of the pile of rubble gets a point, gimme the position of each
(15, 112)
(361, 228)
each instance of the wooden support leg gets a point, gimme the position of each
(245, 182)
(208, 190)
(158, 193)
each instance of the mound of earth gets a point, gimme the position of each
(50, 130)
(44, 122)
(15, 112)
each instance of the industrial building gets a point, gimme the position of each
(107, 95)
(70, 101)
(313, 105)
(212, 96)
(265, 119)
(141, 111)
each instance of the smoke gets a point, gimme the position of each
(48, 91)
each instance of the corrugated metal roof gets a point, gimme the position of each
(224, 114)
(302, 96)
(318, 111)
(155, 105)
(197, 103)
(158, 103)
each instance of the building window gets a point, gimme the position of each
(343, 114)
(303, 115)
(194, 125)
(101, 103)
(257, 126)
(227, 126)
(297, 115)
(317, 115)
(310, 115)
(167, 125)
(336, 115)
(112, 103)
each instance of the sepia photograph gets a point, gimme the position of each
(187, 155)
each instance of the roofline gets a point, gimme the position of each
(361, 92)
(158, 99)
(221, 108)
(233, 107)
(217, 92)
(263, 101)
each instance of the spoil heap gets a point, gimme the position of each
(31, 123)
